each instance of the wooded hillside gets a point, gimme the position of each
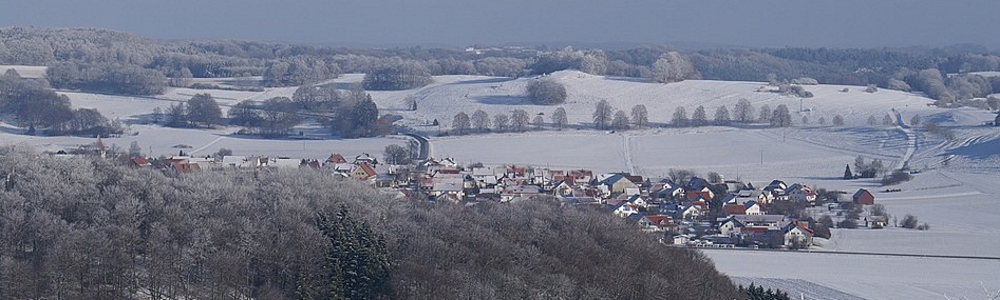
(89, 229)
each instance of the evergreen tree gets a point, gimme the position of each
(847, 173)
(357, 264)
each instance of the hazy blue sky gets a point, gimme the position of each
(831, 23)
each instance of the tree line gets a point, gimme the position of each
(92, 229)
(39, 109)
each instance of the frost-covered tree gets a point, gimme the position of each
(538, 122)
(781, 117)
(460, 124)
(821, 121)
(699, 118)
(620, 121)
(680, 118)
(480, 120)
(559, 119)
(602, 114)
(202, 109)
(640, 117)
(765, 113)
(673, 67)
(546, 91)
(722, 115)
(743, 111)
(872, 121)
(887, 120)
(838, 120)
(501, 122)
(915, 120)
(519, 120)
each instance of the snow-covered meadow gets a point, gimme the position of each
(956, 192)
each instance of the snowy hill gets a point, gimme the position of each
(956, 191)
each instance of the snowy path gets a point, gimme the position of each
(627, 146)
(213, 142)
(911, 141)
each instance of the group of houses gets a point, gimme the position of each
(690, 211)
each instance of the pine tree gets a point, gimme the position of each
(847, 173)
(357, 263)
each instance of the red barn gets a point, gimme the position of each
(864, 197)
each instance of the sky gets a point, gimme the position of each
(753, 23)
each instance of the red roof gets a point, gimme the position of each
(336, 158)
(734, 209)
(368, 170)
(140, 161)
(659, 220)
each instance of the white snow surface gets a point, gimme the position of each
(956, 192)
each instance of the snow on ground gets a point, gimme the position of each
(25, 71)
(867, 276)
(956, 192)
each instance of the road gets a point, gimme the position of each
(425, 146)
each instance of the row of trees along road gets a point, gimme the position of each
(306, 235)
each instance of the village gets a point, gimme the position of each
(684, 211)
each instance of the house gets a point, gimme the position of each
(730, 226)
(365, 158)
(863, 197)
(485, 177)
(655, 223)
(363, 172)
(238, 162)
(619, 184)
(797, 234)
(580, 176)
(694, 211)
(876, 222)
(562, 188)
(734, 209)
(519, 192)
(801, 193)
(622, 208)
(140, 162)
(336, 158)
(447, 188)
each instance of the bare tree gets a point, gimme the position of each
(805, 120)
(765, 113)
(501, 122)
(743, 111)
(722, 115)
(559, 119)
(546, 91)
(620, 121)
(519, 120)
(460, 124)
(915, 120)
(480, 120)
(640, 117)
(699, 118)
(680, 118)
(887, 120)
(872, 121)
(821, 121)
(602, 114)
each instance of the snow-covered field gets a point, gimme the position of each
(956, 193)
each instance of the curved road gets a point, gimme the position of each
(425, 145)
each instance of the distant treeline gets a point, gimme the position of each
(93, 229)
(110, 61)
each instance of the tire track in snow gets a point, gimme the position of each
(911, 141)
(213, 142)
(627, 147)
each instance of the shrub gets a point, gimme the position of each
(910, 221)
(897, 177)
(848, 223)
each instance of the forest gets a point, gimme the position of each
(107, 61)
(87, 228)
